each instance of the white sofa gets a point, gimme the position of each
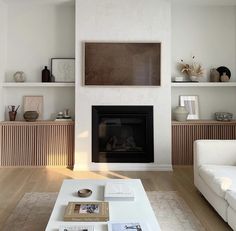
(215, 175)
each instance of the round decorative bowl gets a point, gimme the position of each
(31, 116)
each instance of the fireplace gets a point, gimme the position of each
(122, 134)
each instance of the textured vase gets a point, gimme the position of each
(181, 113)
(31, 116)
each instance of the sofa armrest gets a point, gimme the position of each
(218, 152)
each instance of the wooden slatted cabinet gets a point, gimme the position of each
(184, 134)
(43, 143)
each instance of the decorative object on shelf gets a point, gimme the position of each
(34, 103)
(46, 77)
(19, 76)
(84, 192)
(214, 75)
(63, 116)
(191, 104)
(194, 70)
(31, 116)
(12, 112)
(225, 73)
(181, 113)
(180, 79)
(223, 116)
(224, 77)
(63, 69)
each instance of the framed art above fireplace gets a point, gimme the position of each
(127, 64)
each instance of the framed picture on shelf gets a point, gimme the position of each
(63, 70)
(191, 104)
(34, 103)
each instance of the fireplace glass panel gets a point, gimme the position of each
(122, 134)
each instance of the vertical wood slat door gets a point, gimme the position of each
(36, 144)
(185, 133)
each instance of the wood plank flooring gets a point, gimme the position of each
(15, 182)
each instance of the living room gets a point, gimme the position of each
(37, 156)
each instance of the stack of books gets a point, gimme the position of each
(118, 192)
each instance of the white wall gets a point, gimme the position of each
(3, 40)
(209, 33)
(126, 21)
(35, 34)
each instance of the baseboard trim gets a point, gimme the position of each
(122, 167)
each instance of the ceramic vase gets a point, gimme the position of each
(181, 113)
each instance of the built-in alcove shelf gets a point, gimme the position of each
(38, 122)
(208, 122)
(204, 84)
(35, 84)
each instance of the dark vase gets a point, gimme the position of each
(46, 75)
(12, 115)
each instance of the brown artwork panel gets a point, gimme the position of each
(122, 64)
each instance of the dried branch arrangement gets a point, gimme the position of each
(193, 69)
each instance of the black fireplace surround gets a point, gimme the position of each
(122, 134)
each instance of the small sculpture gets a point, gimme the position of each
(12, 112)
(224, 77)
(19, 76)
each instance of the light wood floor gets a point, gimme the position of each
(15, 182)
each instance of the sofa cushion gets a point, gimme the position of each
(231, 199)
(219, 178)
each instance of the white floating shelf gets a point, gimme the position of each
(204, 84)
(34, 84)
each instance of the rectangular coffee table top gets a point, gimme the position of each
(137, 210)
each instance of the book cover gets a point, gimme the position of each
(119, 192)
(132, 226)
(87, 211)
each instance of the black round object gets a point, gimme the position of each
(223, 70)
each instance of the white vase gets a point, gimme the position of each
(194, 78)
(181, 113)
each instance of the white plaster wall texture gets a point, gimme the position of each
(209, 33)
(123, 21)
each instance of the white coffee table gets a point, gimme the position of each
(138, 210)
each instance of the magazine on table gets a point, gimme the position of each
(76, 228)
(127, 226)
